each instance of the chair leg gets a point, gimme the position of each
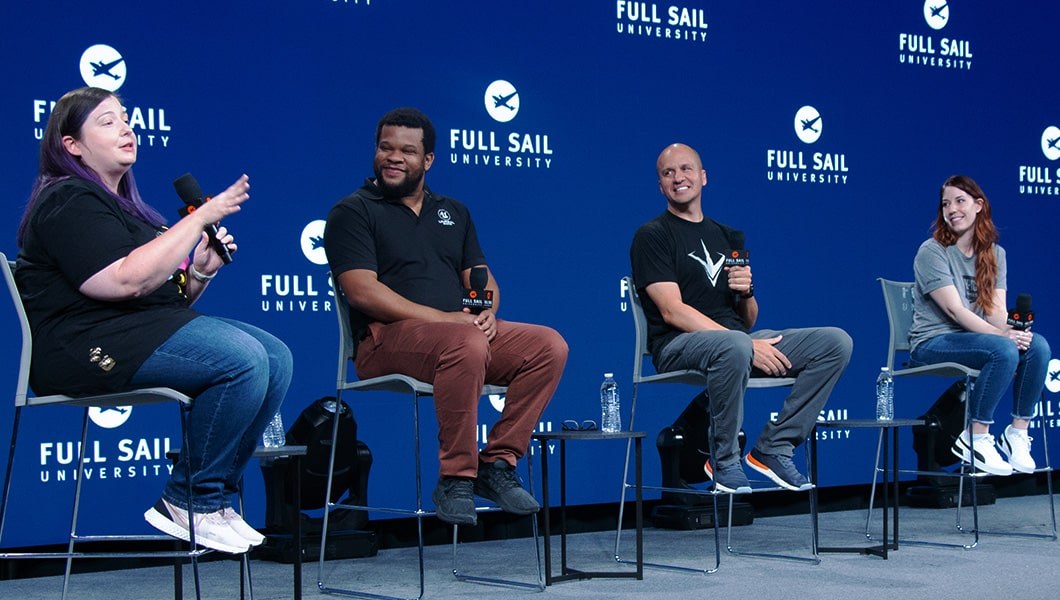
(186, 444)
(622, 504)
(872, 490)
(8, 469)
(82, 449)
(418, 513)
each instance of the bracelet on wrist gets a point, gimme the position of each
(200, 276)
(750, 293)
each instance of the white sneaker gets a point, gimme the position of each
(211, 530)
(1016, 445)
(986, 457)
(236, 522)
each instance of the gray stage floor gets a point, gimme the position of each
(1000, 567)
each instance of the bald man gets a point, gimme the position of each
(700, 315)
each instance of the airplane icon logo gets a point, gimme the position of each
(936, 13)
(1051, 142)
(502, 101)
(1052, 377)
(99, 68)
(808, 124)
(109, 417)
(103, 67)
(312, 242)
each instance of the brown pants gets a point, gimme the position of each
(458, 360)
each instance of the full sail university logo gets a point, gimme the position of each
(1041, 179)
(923, 50)
(502, 147)
(671, 22)
(800, 166)
(301, 292)
(104, 67)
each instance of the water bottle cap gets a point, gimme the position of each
(884, 369)
(609, 375)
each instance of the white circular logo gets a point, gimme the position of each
(808, 124)
(1052, 376)
(313, 242)
(103, 67)
(443, 214)
(502, 101)
(497, 402)
(109, 417)
(1051, 142)
(937, 13)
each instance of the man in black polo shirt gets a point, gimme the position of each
(403, 255)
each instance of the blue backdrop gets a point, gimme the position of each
(907, 92)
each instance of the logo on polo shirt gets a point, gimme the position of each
(443, 217)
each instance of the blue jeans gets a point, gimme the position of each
(998, 362)
(238, 376)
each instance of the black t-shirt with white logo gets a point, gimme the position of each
(692, 255)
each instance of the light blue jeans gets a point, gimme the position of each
(999, 363)
(238, 376)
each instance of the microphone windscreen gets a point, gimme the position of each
(188, 189)
(479, 278)
(738, 239)
(1023, 303)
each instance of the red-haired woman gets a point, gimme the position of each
(959, 316)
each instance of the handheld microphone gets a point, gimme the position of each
(1021, 317)
(189, 191)
(478, 298)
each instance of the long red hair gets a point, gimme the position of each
(984, 236)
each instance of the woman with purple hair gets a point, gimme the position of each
(108, 290)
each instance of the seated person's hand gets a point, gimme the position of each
(769, 359)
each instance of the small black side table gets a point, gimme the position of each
(890, 492)
(567, 573)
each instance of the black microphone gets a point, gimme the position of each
(478, 298)
(189, 191)
(1021, 317)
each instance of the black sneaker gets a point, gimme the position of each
(497, 482)
(778, 468)
(454, 502)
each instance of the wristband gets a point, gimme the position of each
(750, 293)
(199, 276)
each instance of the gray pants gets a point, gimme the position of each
(818, 357)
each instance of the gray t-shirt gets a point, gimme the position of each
(937, 266)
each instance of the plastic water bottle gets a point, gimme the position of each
(884, 395)
(610, 414)
(274, 435)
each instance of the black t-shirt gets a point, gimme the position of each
(692, 255)
(419, 257)
(76, 230)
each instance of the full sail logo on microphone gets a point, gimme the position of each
(477, 298)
